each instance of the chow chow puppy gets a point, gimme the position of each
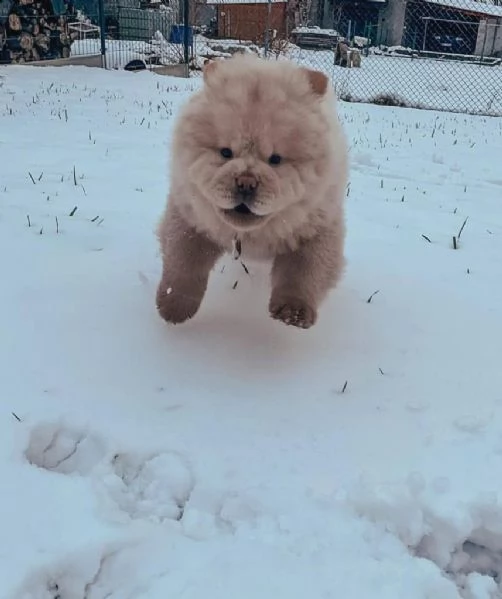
(259, 160)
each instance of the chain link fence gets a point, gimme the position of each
(440, 54)
(129, 34)
(436, 54)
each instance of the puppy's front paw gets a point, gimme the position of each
(175, 306)
(294, 312)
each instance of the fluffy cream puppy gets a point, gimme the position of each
(259, 159)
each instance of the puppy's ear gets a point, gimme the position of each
(208, 69)
(318, 81)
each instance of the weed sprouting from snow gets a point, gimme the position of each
(370, 299)
(456, 238)
(462, 227)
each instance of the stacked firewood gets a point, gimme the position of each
(33, 32)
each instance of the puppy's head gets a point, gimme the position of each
(257, 139)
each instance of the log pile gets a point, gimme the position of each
(33, 32)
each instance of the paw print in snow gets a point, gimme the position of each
(63, 449)
(154, 488)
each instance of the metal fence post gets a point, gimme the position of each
(102, 25)
(267, 29)
(186, 37)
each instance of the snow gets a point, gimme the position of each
(418, 82)
(440, 84)
(251, 2)
(120, 52)
(233, 456)
(316, 31)
(476, 6)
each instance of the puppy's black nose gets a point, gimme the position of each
(246, 185)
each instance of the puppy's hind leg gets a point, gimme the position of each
(302, 278)
(187, 259)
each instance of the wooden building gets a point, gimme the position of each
(245, 20)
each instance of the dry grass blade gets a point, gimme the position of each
(462, 227)
(368, 301)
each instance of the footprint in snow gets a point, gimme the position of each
(151, 487)
(66, 450)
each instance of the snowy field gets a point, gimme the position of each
(418, 82)
(234, 457)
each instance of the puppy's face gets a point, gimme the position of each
(256, 141)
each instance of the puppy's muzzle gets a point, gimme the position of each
(246, 186)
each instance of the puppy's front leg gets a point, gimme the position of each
(188, 257)
(302, 278)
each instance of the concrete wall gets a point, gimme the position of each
(175, 70)
(391, 23)
(86, 61)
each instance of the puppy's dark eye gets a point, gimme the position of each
(274, 160)
(226, 153)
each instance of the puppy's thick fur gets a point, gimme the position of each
(258, 156)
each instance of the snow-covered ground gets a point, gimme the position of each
(120, 52)
(233, 456)
(418, 82)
